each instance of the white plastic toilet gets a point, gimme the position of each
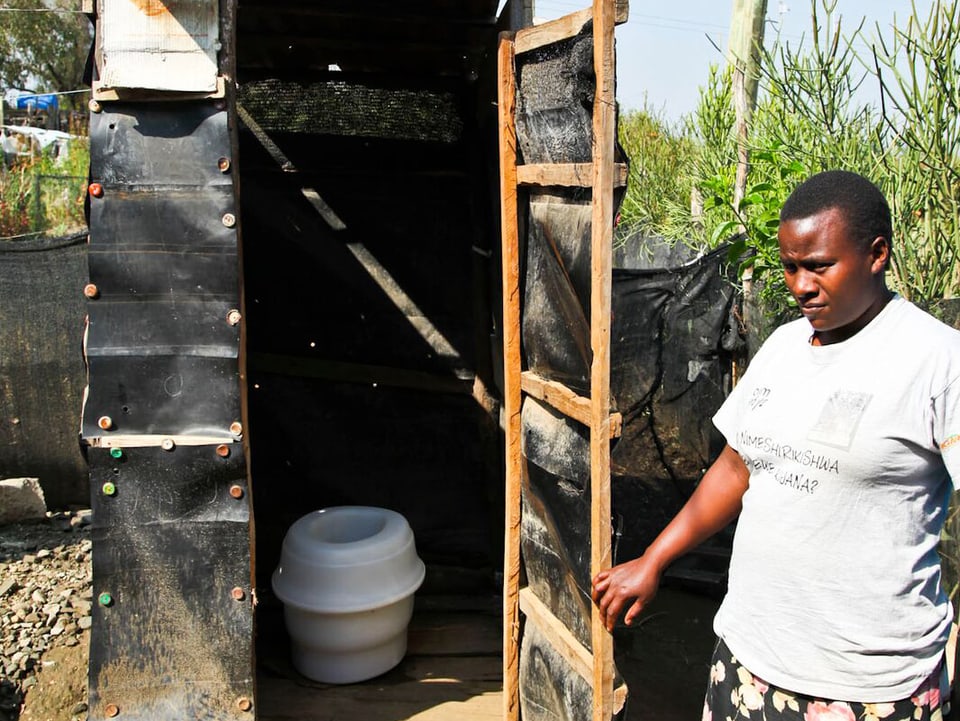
(346, 577)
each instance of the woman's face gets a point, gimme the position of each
(836, 279)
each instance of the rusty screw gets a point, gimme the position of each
(223, 450)
(233, 317)
(244, 704)
(111, 710)
(236, 428)
(95, 106)
(96, 190)
(224, 165)
(229, 219)
(237, 594)
(91, 291)
(236, 492)
(105, 422)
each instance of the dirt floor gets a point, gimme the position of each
(61, 689)
(664, 659)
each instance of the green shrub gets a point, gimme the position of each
(45, 195)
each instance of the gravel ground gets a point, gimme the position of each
(45, 603)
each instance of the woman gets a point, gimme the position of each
(843, 446)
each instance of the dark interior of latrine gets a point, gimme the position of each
(367, 151)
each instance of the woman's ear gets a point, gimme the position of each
(879, 254)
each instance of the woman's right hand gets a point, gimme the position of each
(715, 503)
(636, 581)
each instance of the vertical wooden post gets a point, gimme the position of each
(510, 255)
(604, 130)
(746, 36)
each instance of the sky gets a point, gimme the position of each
(664, 51)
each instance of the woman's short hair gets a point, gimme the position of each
(860, 201)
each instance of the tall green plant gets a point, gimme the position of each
(658, 182)
(807, 120)
(919, 76)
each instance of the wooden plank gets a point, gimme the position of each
(510, 257)
(604, 137)
(454, 633)
(564, 641)
(560, 636)
(171, 47)
(362, 373)
(570, 175)
(421, 688)
(143, 440)
(562, 28)
(553, 31)
(561, 398)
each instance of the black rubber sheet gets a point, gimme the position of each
(171, 639)
(161, 354)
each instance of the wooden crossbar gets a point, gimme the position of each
(562, 28)
(563, 640)
(571, 175)
(560, 397)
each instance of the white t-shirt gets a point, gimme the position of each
(835, 579)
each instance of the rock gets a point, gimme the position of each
(7, 586)
(21, 499)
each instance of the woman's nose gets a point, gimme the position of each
(803, 284)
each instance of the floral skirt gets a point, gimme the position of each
(735, 693)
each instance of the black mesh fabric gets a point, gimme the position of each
(41, 364)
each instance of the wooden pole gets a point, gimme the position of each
(510, 256)
(746, 36)
(601, 262)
